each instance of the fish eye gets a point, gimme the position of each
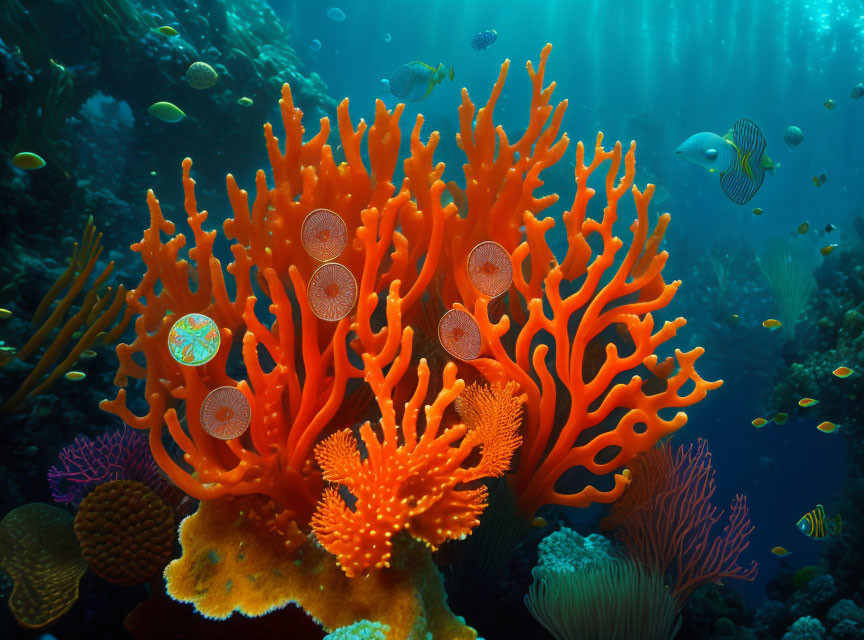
(711, 154)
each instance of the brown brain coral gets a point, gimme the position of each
(126, 531)
(39, 551)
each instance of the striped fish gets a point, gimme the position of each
(814, 525)
(742, 179)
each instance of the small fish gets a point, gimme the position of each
(759, 422)
(387, 37)
(5, 314)
(89, 353)
(168, 31)
(780, 551)
(315, 45)
(820, 179)
(738, 157)
(538, 522)
(484, 39)
(781, 418)
(829, 228)
(830, 104)
(814, 524)
(843, 372)
(245, 102)
(28, 161)
(804, 227)
(857, 91)
(733, 319)
(166, 112)
(807, 402)
(152, 173)
(757, 211)
(827, 427)
(828, 248)
(772, 324)
(414, 81)
(75, 375)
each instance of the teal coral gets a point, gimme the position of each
(611, 600)
(566, 550)
(806, 628)
(362, 630)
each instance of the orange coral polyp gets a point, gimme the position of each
(412, 486)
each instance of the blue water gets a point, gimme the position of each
(658, 71)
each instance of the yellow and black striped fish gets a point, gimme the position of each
(814, 524)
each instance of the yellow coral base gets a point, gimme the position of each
(230, 563)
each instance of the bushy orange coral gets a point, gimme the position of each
(412, 479)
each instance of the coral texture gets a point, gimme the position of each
(126, 532)
(682, 544)
(230, 563)
(123, 454)
(39, 551)
(419, 485)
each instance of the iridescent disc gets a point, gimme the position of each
(194, 340)
(225, 413)
(332, 291)
(323, 234)
(459, 334)
(490, 269)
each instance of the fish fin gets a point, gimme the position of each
(728, 137)
(742, 180)
(836, 525)
(452, 73)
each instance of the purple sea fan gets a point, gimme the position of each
(123, 454)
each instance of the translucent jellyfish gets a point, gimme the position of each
(489, 268)
(332, 291)
(335, 13)
(792, 136)
(315, 45)
(194, 340)
(225, 413)
(324, 234)
(459, 334)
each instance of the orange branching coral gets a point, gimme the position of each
(292, 403)
(412, 480)
(230, 564)
(622, 295)
(500, 180)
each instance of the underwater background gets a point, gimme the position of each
(98, 104)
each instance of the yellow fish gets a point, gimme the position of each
(759, 422)
(828, 248)
(538, 522)
(780, 551)
(75, 375)
(772, 324)
(781, 418)
(827, 427)
(830, 104)
(843, 372)
(168, 31)
(27, 160)
(814, 524)
(5, 314)
(757, 211)
(804, 227)
(807, 402)
(244, 102)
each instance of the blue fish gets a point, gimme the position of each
(814, 525)
(484, 39)
(414, 81)
(739, 157)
